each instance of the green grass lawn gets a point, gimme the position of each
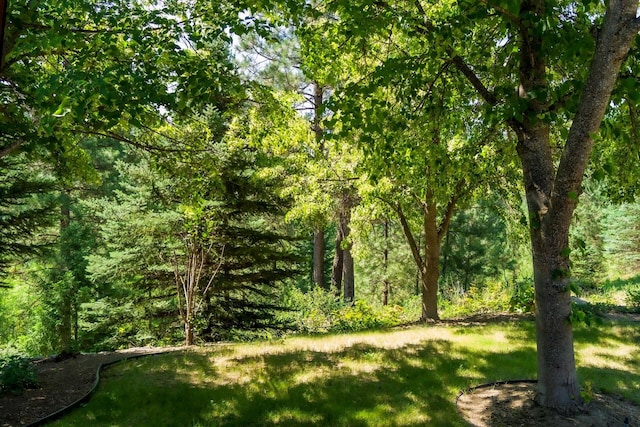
(392, 378)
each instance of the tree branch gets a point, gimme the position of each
(618, 32)
(459, 63)
(504, 12)
(475, 81)
(451, 205)
(8, 150)
(415, 251)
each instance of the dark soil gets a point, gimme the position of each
(513, 405)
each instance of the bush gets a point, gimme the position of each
(320, 311)
(16, 372)
(633, 299)
(523, 297)
(489, 297)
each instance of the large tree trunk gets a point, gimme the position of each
(431, 268)
(433, 232)
(318, 258)
(428, 266)
(552, 195)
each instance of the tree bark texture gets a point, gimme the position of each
(342, 275)
(318, 258)
(338, 264)
(428, 268)
(385, 264)
(552, 194)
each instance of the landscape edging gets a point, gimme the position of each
(59, 413)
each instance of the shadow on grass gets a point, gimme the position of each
(362, 385)
(621, 284)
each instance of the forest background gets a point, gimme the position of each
(194, 172)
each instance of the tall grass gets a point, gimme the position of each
(404, 377)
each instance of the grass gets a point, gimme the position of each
(404, 377)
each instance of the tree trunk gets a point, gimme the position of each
(342, 275)
(66, 299)
(431, 268)
(318, 233)
(552, 195)
(385, 265)
(318, 258)
(188, 333)
(348, 273)
(338, 263)
(428, 267)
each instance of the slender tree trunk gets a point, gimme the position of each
(318, 258)
(318, 233)
(338, 264)
(188, 333)
(348, 272)
(66, 302)
(342, 275)
(385, 264)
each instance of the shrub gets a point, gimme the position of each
(523, 297)
(489, 297)
(633, 299)
(16, 372)
(321, 311)
(357, 317)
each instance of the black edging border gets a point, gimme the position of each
(59, 413)
(492, 384)
(84, 399)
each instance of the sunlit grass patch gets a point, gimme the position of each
(404, 377)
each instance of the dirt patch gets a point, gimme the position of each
(61, 384)
(513, 405)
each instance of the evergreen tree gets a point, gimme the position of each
(25, 208)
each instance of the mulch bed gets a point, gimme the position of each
(61, 383)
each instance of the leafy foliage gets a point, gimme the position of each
(633, 298)
(16, 371)
(321, 311)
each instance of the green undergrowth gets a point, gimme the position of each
(402, 377)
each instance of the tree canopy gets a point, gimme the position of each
(170, 155)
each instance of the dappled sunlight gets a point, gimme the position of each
(289, 416)
(403, 377)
